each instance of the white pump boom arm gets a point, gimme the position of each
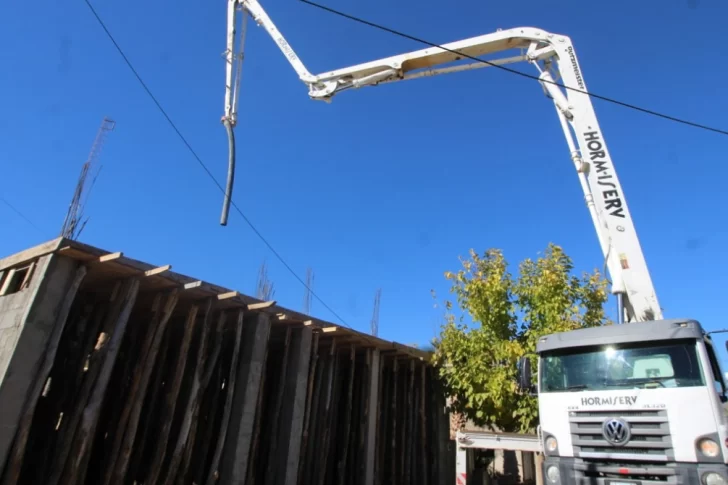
(554, 57)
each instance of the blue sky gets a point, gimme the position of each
(386, 186)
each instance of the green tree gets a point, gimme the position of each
(497, 318)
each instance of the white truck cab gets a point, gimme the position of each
(633, 404)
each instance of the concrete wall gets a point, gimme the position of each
(14, 308)
(26, 321)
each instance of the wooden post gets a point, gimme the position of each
(205, 368)
(240, 436)
(119, 467)
(423, 426)
(271, 469)
(309, 401)
(330, 411)
(393, 442)
(170, 403)
(347, 417)
(313, 452)
(228, 401)
(292, 413)
(89, 420)
(203, 372)
(539, 468)
(372, 416)
(409, 425)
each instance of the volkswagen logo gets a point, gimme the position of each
(616, 431)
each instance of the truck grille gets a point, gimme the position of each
(650, 435)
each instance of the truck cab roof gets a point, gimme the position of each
(622, 333)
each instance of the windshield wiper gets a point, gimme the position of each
(576, 387)
(652, 380)
(640, 380)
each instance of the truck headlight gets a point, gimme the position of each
(712, 478)
(553, 475)
(709, 448)
(551, 444)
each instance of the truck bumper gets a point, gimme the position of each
(574, 471)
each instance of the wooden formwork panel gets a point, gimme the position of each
(135, 393)
(137, 385)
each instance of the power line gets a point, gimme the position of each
(14, 209)
(204, 167)
(514, 71)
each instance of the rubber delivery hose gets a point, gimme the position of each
(230, 174)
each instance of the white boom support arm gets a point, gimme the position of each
(548, 53)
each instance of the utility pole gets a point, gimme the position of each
(71, 228)
(375, 315)
(307, 292)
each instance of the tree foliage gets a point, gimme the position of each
(497, 318)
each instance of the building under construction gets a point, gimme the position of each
(114, 371)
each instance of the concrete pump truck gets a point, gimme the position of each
(637, 403)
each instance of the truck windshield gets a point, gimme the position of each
(653, 364)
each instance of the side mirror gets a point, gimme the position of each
(524, 374)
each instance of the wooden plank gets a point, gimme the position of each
(112, 420)
(356, 471)
(261, 305)
(381, 420)
(317, 454)
(408, 424)
(147, 427)
(87, 369)
(347, 417)
(424, 478)
(209, 366)
(308, 410)
(393, 451)
(171, 397)
(157, 271)
(179, 464)
(371, 416)
(89, 421)
(271, 472)
(12, 473)
(209, 431)
(72, 351)
(329, 413)
(186, 468)
(227, 409)
(142, 382)
(195, 396)
(380, 463)
(367, 418)
(109, 257)
(228, 295)
(134, 391)
(115, 414)
(314, 429)
(257, 427)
